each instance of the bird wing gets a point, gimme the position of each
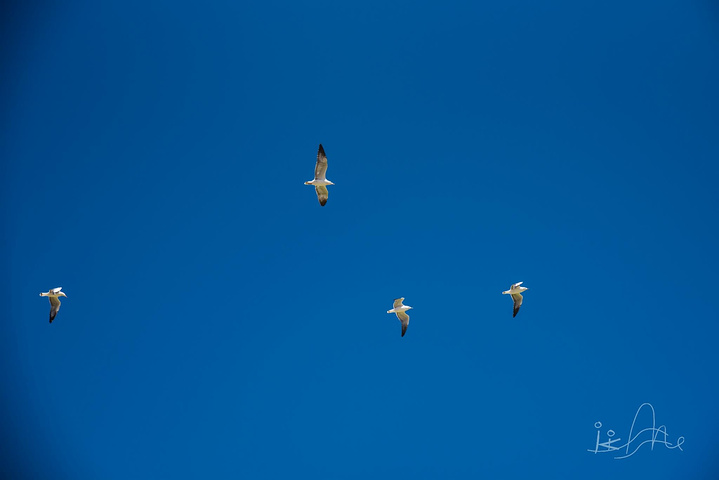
(404, 318)
(322, 194)
(515, 285)
(55, 290)
(397, 303)
(517, 297)
(54, 307)
(321, 166)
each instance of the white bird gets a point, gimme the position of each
(54, 301)
(320, 181)
(516, 292)
(402, 316)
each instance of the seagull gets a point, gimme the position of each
(54, 301)
(320, 181)
(516, 292)
(401, 311)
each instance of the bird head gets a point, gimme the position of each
(61, 294)
(329, 183)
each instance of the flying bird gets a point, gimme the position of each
(54, 301)
(401, 311)
(516, 292)
(320, 181)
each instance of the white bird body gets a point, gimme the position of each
(401, 311)
(53, 295)
(320, 181)
(515, 291)
(403, 308)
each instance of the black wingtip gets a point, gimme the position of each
(321, 150)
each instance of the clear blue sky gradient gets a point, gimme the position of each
(221, 324)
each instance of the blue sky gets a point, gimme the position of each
(221, 324)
